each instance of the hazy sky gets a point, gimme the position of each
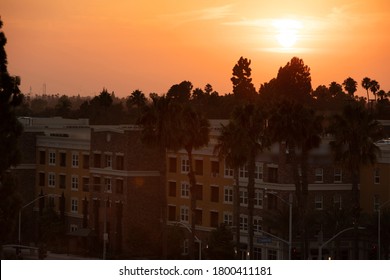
(81, 46)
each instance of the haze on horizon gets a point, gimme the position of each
(78, 47)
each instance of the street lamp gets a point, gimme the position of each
(336, 235)
(289, 203)
(24, 206)
(197, 239)
(379, 228)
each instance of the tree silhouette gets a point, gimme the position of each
(366, 84)
(243, 88)
(350, 86)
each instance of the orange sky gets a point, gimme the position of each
(81, 46)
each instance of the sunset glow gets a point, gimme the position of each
(78, 47)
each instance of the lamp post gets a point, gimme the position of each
(379, 228)
(20, 213)
(289, 203)
(197, 239)
(336, 235)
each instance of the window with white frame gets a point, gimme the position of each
(108, 160)
(75, 159)
(243, 222)
(228, 194)
(338, 175)
(376, 202)
(337, 201)
(229, 172)
(228, 218)
(243, 197)
(51, 179)
(185, 247)
(257, 253)
(257, 221)
(258, 201)
(73, 228)
(185, 165)
(184, 214)
(75, 182)
(377, 176)
(108, 184)
(259, 171)
(319, 175)
(52, 158)
(243, 172)
(318, 202)
(185, 190)
(74, 205)
(272, 254)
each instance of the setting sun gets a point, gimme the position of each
(287, 32)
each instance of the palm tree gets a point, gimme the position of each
(355, 132)
(374, 87)
(299, 128)
(350, 85)
(252, 122)
(138, 99)
(366, 84)
(233, 151)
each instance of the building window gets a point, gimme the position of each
(75, 160)
(86, 184)
(228, 195)
(51, 180)
(185, 165)
(41, 179)
(97, 160)
(119, 162)
(243, 197)
(214, 194)
(318, 202)
(214, 219)
(257, 224)
(52, 158)
(62, 178)
(337, 201)
(42, 157)
(96, 184)
(376, 176)
(258, 203)
(119, 186)
(243, 222)
(73, 228)
(272, 254)
(214, 168)
(51, 201)
(171, 213)
(228, 218)
(74, 204)
(172, 164)
(272, 174)
(75, 182)
(257, 253)
(259, 171)
(184, 214)
(185, 247)
(338, 175)
(199, 167)
(108, 185)
(319, 175)
(85, 161)
(172, 189)
(243, 172)
(185, 190)
(199, 192)
(198, 217)
(229, 172)
(108, 161)
(376, 202)
(63, 159)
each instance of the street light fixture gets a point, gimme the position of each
(336, 235)
(24, 206)
(289, 203)
(379, 228)
(197, 239)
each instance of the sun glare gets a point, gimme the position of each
(287, 32)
